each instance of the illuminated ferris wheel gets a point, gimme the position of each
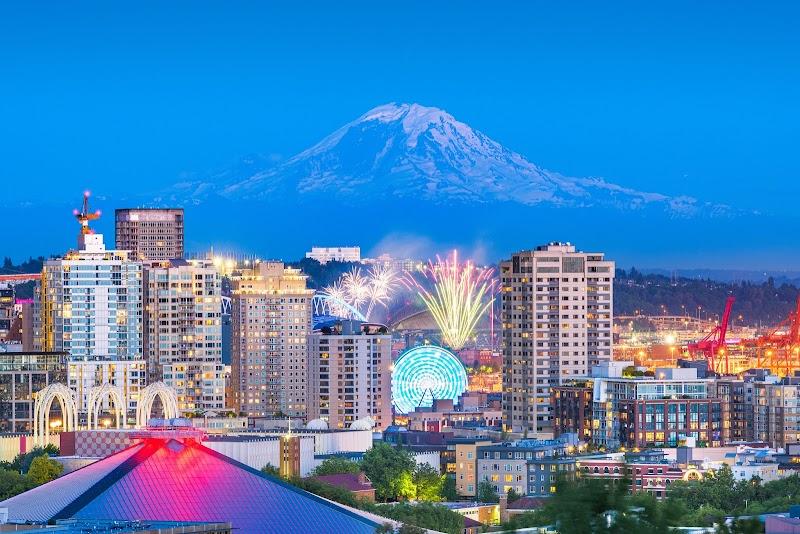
(425, 373)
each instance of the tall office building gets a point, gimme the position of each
(557, 316)
(271, 316)
(183, 331)
(349, 376)
(91, 300)
(151, 234)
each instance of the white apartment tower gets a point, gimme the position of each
(557, 315)
(349, 376)
(91, 300)
(183, 332)
(271, 318)
(326, 254)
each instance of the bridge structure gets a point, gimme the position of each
(325, 308)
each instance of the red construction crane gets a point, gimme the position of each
(713, 344)
(782, 342)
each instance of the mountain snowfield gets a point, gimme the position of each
(409, 151)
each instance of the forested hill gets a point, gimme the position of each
(757, 303)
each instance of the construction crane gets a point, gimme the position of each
(84, 216)
(713, 344)
(779, 349)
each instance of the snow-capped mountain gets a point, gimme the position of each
(409, 151)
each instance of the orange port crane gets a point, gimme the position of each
(713, 344)
(779, 349)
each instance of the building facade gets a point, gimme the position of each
(529, 467)
(656, 411)
(557, 315)
(326, 254)
(183, 332)
(22, 375)
(128, 375)
(776, 412)
(573, 409)
(8, 315)
(91, 302)
(271, 316)
(466, 465)
(649, 472)
(349, 376)
(737, 408)
(150, 234)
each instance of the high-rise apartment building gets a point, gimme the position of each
(150, 233)
(183, 331)
(271, 316)
(91, 300)
(776, 411)
(557, 314)
(349, 376)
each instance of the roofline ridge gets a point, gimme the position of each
(330, 504)
(148, 449)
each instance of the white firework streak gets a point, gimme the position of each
(337, 296)
(382, 280)
(356, 288)
(362, 292)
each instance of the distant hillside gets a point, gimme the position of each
(757, 303)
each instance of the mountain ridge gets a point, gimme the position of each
(424, 153)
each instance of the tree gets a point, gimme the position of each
(43, 470)
(513, 495)
(336, 465)
(403, 487)
(411, 529)
(424, 515)
(390, 471)
(386, 528)
(270, 469)
(486, 492)
(449, 492)
(13, 483)
(22, 462)
(429, 483)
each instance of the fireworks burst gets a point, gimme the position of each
(456, 300)
(362, 292)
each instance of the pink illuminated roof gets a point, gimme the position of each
(171, 480)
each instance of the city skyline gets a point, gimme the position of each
(688, 101)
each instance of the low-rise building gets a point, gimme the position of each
(474, 410)
(466, 451)
(529, 467)
(655, 411)
(648, 471)
(356, 483)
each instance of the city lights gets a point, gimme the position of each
(425, 373)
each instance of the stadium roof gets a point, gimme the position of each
(172, 480)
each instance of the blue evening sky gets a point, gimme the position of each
(696, 98)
